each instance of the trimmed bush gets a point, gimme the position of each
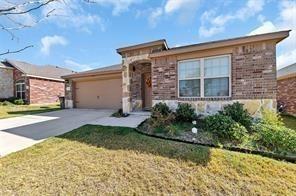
(276, 138)
(160, 109)
(224, 127)
(237, 112)
(185, 112)
(270, 117)
(19, 102)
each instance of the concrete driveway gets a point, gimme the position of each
(21, 132)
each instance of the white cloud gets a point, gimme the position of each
(186, 10)
(154, 16)
(211, 23)
(48, 42)
(286, 58)
(285, 21)
(70, 13)
(266, 27)
(175, 5)
(119, 6)
(76, 66)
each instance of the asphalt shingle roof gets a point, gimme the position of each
(47, 71)
(291, 69)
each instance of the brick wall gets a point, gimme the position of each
(253, 73)
(6, 82)
(164, 78)
(286, 93)
(45, 91)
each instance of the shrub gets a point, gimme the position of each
(224, 127)
(5, 103)
(10, 99)
(185, 112)
(119, 114)
(19, 102)
(237, 112)
(161, 121)
(160, 109)
(272, 118)
(276, 138)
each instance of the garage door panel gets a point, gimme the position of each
(99, 94)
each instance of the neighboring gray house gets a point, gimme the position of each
(6, 81)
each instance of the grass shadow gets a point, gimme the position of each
(120, 138)
(28, 112)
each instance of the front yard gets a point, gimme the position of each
(11, 110)
(113, 160)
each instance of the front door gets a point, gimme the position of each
(147, 91)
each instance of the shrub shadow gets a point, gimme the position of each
(119, 138)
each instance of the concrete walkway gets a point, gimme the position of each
(21, 132)
(133, 120)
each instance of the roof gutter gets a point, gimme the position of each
(278, 36)
(78, 75)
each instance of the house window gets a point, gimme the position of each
(20, 89)
(189, 79)
(205, 77)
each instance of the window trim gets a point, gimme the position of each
(197, 78)
(202, 77)
(20, 82)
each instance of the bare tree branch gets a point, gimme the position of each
(10, 10)
(15, 51)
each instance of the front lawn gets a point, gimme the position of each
(111, 160)
(289, 121)
(11, 110)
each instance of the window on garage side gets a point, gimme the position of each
(20, 88)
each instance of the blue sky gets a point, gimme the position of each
(83, 36)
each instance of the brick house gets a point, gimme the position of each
(206, 75)
(286, 88)
(34, 84)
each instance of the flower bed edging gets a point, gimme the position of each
(291, 159)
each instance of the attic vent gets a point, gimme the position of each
(156, 50)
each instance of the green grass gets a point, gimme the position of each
(289, 121)
(98, 160)
(19, 110)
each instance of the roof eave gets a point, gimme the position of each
(143, 45)
(278, 36)
(42, 77)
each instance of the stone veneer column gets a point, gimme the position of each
(126, 79)
(126, 98)
(69, 94)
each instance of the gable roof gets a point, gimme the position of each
(5, 65)
(287, 72)
(46, 71)
(103, 70)
(278, 36)
(161, 42)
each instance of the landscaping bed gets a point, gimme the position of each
(233, 128)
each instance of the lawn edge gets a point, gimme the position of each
(235, 149)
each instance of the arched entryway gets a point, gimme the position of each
(140, 85)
